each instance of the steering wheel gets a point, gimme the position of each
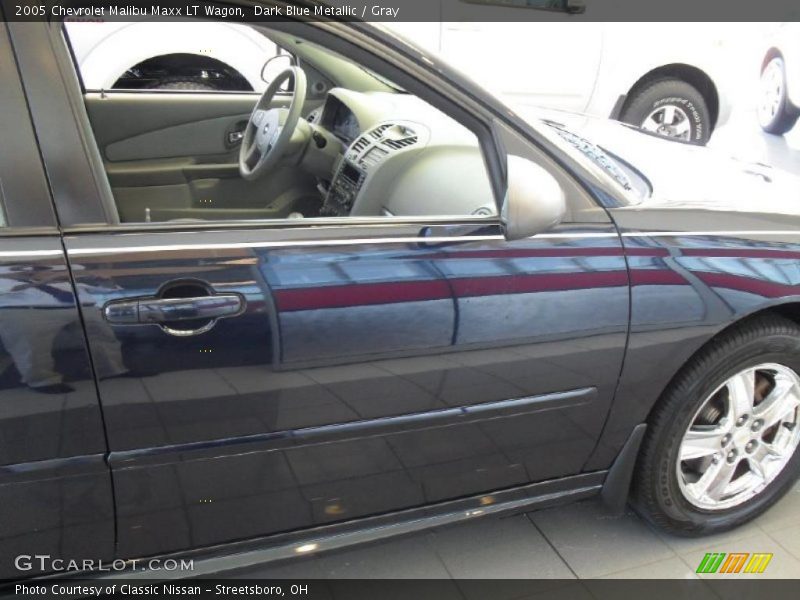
(269, 131)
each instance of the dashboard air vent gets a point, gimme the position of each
(401, 143)
(360, 144)
(376, 133)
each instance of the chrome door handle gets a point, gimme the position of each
(163, 311)
(166, 310)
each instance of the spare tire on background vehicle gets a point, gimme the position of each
(672, 108)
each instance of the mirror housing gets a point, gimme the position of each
(534, 202)
(274, 66)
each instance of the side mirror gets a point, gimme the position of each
(274, 66)
(534, 201)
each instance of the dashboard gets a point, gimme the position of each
(399, 156)
(340, 120)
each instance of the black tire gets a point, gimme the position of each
(662, 92)
(786, 115)
(656, 494)
(195, 84)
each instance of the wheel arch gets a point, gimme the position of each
(768, 56)
(692, 75)
(190, 61)
(789, 310)
(106, 51)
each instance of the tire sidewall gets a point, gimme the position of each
(678, 94)
(783, 350)
(785, 111)
(696, 119)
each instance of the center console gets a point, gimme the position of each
(363, 156)
(343, 190)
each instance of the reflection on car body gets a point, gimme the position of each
(488, 317)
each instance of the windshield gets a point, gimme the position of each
(383, 80)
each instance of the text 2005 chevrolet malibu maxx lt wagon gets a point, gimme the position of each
(367, 301)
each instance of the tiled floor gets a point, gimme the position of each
(575, 541)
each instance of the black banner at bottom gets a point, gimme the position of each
(436, 589)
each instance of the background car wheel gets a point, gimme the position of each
(186, 83)
(671, 108)
(721, 445)
(775, 112)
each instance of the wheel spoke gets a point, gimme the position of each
(741, 392)
(767, 453)
(739, 449)
(698, 443)
(650, 124)
(714, 481)
(780, 402)
(669, 115)
(756, 467)
(682, 128)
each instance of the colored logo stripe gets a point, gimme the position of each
(711, 562)
(758, 563)
(714, 562)
(734, 562)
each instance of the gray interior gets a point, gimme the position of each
(174, 155)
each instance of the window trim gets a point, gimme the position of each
(348, 41)
(478, 221)
(26, 203)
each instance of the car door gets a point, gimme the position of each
(340, 383)
(334, 372)
(55, 487)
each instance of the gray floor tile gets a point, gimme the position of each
(789, 538)
(786, 513)
(411, 557)
(595, 544)
(669, 568)
(494, 548)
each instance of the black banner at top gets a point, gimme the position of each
(408, 10)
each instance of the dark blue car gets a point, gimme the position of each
(368, 301)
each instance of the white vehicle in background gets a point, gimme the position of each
(646, 75)
(206, 56)
(670, 79)
(779, 101)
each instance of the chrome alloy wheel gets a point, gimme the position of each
(741, 437)
(771, 92)
(670, 121)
